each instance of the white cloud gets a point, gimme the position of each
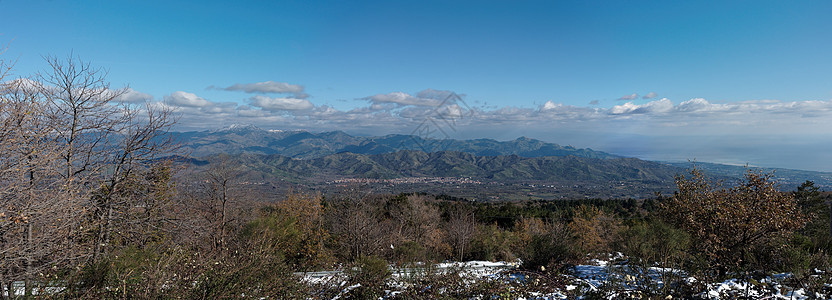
(428, 97)
(280, 104)
(549, 105)
(650, 95)
(660, 106)
(133, 96)
(629, 97)
(185, 99)
(267, 87)
(698, 105)
(402, 98)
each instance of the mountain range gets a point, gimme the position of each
(301, 156)
(239, 139)
(503, 168)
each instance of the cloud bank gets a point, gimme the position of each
(268, 87)
(655, 129)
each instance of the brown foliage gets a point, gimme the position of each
(417, 220)
(729, 225)
(594, 230)
(306, 214)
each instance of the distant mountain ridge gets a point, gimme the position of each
(504, 168)
(248, 139)
(296, 154)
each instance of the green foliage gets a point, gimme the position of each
(652, 243)
(271, 234)
(492, 243)
(409, 252)
(158, 272)
(541, 244)
(292, 230)
(251, 276)
(814, 205)
(372, 273)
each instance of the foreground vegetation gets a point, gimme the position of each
(91, 209)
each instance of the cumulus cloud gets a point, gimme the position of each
(650, 95)
(402, 98)
(698, 105)
(185, 99)
(133, 96)
(660, 106)
(549, 105)
(269, 87)
(629, 97)
(280, 104)
(428, 97)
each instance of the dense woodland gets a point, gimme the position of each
(88, 203)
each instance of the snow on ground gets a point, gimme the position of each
(600, 272)
(597, 274)
(733, 288)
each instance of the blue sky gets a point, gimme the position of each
(727, 81)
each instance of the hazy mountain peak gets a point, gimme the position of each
(238, 127)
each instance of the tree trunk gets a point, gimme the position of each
(223, 217)
(108, 229)
(29, 270)
(103, 232)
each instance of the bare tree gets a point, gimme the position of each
(355, 222)
(220, 185)
(39, 217)
(67, 152)
(461, 228)
(102, 141)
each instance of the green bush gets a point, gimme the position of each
(409, 252)
(491, 243)
(653, 243)
(371, 272)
